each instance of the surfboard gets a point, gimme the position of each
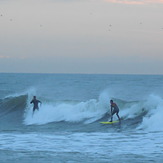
(109, 122)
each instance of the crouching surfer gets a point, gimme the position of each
(35, 103)
(114, 110)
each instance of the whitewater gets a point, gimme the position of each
(66, 128)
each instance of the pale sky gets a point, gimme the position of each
(81, 36)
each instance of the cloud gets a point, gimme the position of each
(15, 57)
(135, 2)
(2, 57)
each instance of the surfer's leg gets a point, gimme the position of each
(111, 119)
(33, 111)
(112, 115)
(118, 116)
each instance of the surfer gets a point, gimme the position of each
(35, 103)
(114, 110)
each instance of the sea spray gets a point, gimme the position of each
(88, 111)
(153, 121)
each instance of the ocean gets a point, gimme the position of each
(66, 128)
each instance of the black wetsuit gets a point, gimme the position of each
(115, 110)
(35, 104)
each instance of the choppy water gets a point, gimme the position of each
(67, 128)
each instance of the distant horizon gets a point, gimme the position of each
(77, 73)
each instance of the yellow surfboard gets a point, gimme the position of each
(109, 122)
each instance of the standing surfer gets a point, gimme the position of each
(114, 109)
(35, 103)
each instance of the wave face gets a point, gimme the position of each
(139, 115)
(11, 110)
(81, 101)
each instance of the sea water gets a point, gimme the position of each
(66, 128)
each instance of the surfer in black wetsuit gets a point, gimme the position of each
(35, 103)
(114, 109)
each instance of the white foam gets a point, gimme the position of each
(131, 111)
(92, 110)
(153, 121)
(88, 112)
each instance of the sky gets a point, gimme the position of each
(81, 36)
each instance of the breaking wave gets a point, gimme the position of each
(142, 115)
